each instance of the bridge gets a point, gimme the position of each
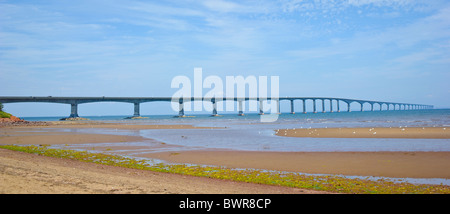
(75, 101)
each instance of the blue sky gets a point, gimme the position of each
(388, 50)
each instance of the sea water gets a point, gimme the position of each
(249, 133)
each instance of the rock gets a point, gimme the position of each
(74, 118)
(11, 119)
(15, 121)
(136, 117)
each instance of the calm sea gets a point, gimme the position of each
(249, 133)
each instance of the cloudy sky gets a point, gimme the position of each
(388, 50)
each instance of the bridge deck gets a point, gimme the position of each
(74, 101)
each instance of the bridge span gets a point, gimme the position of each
(75, 101)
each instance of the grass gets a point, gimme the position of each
(4, 114)
(336, 184)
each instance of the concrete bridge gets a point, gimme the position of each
(75, 101)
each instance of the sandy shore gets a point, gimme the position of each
(24, 173)
(123, 126)
(376, 132)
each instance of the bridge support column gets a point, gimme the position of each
(261, 111)
(331, 105)
(214, 113)
(338, 109)
(314, 106)
(304, 106)
(73, 110)
(278, 106)
(181, 109)
(136, 110)
(371, 107)
(292, 107)
(362, 104)
(241, 112)
(323, 105)
(348, 107)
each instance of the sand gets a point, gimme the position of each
(375, 132)
(386, 164)
(26, 173)
(22, 173)
(123, 126)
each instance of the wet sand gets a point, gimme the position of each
(92, 124)
(375, 132)
(22, 173)
(389, 164)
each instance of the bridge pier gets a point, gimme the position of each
(137, 114)
(337, 103)
(241, 112)
(331, 105)
(261, 111)
(362, 104)
(348, 107)
(323, 105)
(314, 106)
(304, 106)
(214, 113)
(73, 110)
(278, 106)
(181, 108)
(136, 110)
(292, 107)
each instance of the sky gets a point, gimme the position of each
(386, 50)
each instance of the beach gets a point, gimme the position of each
(47, 173)
(22, 173)
(372, 132)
